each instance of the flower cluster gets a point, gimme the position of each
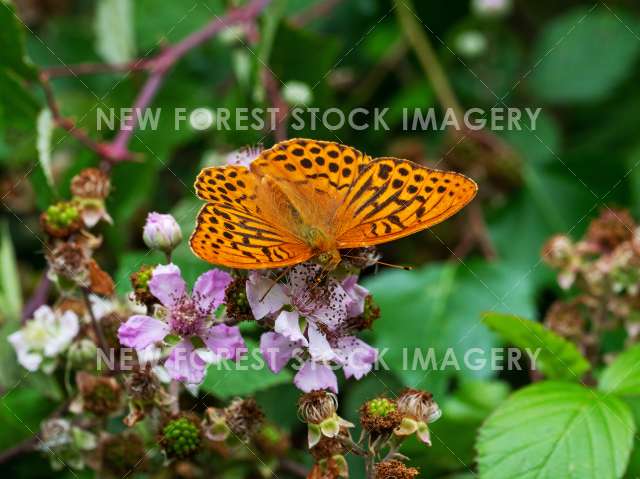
(602, 270)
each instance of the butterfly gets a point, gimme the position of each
(304, 199)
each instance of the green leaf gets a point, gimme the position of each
(44, 126)
(437, 308)
(247, 376)
(10, 290)
(114, 30)
(584, 54)
(13, 55)
(556, 430)
(557, 357)
(21, 411)
(622, 377)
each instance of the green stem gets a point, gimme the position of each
(410, 24)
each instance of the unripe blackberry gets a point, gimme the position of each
(238, 308)
(180, 438)
(61, 219)
(380, 416)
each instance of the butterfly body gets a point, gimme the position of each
(305, 199)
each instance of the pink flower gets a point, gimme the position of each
(315, 376)
(312, 319)
(187, 316)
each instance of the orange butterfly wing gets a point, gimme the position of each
(231, 229)
(393, 198)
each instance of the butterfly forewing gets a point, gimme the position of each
(392, 198)
(231, 230)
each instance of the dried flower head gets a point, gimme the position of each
(61, 220)
(380, 416)
(100, 395)
(69, 262)
(565, 318)
(612, 228)
(417, 409)
(91, 183)
(327, 447)
(394, 470)
(244, 417)
(316, 406)
(122, 454)
(181, 437)
(140, 283)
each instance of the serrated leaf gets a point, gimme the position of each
(556, 430)
(246, 377)
(557, 357)
(622, 376)
(584, 54)
(114, 31)
(44, 127)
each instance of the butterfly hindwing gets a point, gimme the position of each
(392, 198)
(230, 237)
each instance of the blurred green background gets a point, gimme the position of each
(578, 61)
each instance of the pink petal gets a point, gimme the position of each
(141, 331)
(225, 341)
(356, 356)
(357, 294)
(276, 350)
(184, 364)
(209, 290)
(288, 325)
(319, 347)
(315, 376)
(261, 305)
(167, 284)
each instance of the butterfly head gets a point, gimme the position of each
(329, 259)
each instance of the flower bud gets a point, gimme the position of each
(491, 8)
(297, 93)
(161, 232)
(471, 44)
(82, 353)
(180, 438)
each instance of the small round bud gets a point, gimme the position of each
(161, 232)
(61, 219)
(297, 93)
(471, 44)
(180, 438)
(491, 8)
(395, 469)
(316, 406)
(82, 353)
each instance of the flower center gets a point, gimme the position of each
(184, 318)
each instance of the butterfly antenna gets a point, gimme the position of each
(275, 281)
(382, 263)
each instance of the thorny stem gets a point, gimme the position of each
(159, 66)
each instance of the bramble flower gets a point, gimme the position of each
(161, 232)
(190, 317)
(44, 337)
(312, 317)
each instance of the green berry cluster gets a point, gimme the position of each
(62, 214)
(381, 407)
(181, 438)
